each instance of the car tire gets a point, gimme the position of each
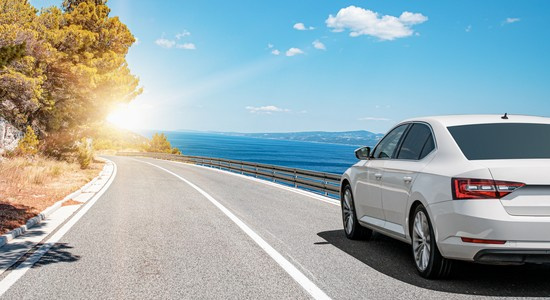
(428, 260)
(352, 228)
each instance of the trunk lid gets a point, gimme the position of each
(534, 198)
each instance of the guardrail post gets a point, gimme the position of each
(325, 187)
(295, 179)
(256, 170)
(273, 174)
(242, 169)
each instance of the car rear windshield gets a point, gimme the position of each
(503, 141)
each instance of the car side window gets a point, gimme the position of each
(428, 147)
(388, 145)
(417, 144)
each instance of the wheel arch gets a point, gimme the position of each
(418, 200)
(410, 216)
(415, 203)
(345, 181)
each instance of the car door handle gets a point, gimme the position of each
(407, 179)
(378, 176)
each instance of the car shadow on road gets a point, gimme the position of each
(394, 259)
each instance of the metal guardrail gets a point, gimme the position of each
(327, 184)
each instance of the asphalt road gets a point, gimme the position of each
(152, 235)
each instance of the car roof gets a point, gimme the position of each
(455, 120)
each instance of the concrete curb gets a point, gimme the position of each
(105, 173)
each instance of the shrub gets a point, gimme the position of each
(28, 145)
(176, 151)
(159, 143)
(55, 171)
(85, 153)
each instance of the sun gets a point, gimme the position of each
(125, 116)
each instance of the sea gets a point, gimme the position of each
(322, 157)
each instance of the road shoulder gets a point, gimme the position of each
(16, 243)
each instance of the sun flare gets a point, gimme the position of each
(125, 116)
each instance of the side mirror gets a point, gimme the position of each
(362, 153)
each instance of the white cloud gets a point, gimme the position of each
(186, 46)
(301, 26)
(275, 52)
(373, 119)
(171, 43)
(469, 28)
(360, 21)
(269, 109)
(269, 46)
(318, 45)
(165, 43)
(511, 20)
(409, 18)
(294, 51)
(168, 44)
(183, 34)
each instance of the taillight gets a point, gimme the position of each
(466, 188)
(481, 241)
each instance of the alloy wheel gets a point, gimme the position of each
(348, 212)
(421, 239)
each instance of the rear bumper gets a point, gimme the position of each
(503, 256)
(527, 238)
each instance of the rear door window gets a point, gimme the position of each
(417, 144)
(428, 148)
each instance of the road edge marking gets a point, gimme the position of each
(291, 270)
(19, 271)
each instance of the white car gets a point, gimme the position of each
(473, 188)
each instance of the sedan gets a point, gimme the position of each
(473, 188)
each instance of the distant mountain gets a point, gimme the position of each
(355, 138)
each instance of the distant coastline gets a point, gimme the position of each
(351, 138)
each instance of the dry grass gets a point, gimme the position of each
(28, 186)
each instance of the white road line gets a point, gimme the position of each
(263, 181)
(298, 276)
(18, 272)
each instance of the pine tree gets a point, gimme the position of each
(70, 5)
(62, 70)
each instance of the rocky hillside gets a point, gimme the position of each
(9, 136)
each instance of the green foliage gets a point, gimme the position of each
(66, 68)
(159, 143)
(10, 53)
(85, 153)
(28, 145)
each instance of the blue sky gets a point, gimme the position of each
(208, 65)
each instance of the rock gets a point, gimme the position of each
(9, 136)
